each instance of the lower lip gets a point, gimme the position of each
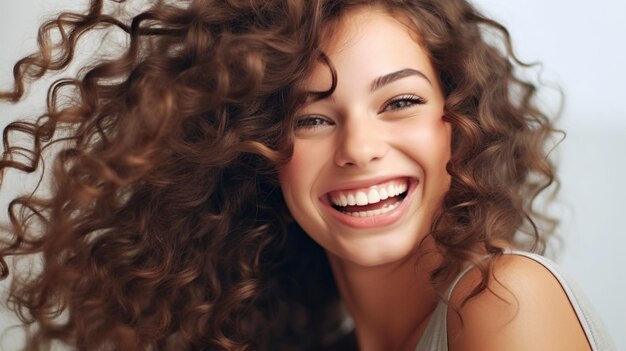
(381, 220)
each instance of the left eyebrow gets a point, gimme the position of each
(392, 77)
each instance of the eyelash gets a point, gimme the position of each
(310, 122)
(411, 99)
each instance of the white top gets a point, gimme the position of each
(435, 336)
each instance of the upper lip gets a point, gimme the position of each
(362, 184)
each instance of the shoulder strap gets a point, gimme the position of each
(576, 298)
(436, 333)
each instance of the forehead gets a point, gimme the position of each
(349, 25)
(367, 43)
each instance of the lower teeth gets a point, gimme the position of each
(374, 212)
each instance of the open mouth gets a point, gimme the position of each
(372, 201)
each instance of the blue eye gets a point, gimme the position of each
(312, 122)
(402, 102)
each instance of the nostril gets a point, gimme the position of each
(360, 154)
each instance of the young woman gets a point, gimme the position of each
(290, 175)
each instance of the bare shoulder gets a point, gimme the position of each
(524, 308)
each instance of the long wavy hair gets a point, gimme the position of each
(165, 227)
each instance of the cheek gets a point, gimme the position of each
(429, 144)
(297, 181)
(294, 176)
(440, 149)
(288, 174)
(428, 141)
(442, 136)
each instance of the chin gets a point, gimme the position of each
(375, 252)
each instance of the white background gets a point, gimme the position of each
(582, 48)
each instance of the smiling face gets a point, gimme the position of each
(368, 168)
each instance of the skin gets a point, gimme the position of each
(371, 131)
(362, 139)
(525, 308)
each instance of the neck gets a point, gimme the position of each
(391, 304)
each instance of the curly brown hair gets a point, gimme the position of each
(165, 227)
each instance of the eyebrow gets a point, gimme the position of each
(392, 77)
(378, 82)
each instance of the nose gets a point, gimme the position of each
(360, 143)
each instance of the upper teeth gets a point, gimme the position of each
(368, 196)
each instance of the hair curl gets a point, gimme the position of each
(166, 228)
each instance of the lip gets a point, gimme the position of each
(363, 184)
(374, 221)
